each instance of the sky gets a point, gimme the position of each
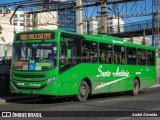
(126, 20)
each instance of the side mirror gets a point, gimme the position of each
(63, 60)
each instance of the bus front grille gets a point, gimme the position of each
(29, 76)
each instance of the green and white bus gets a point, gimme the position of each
(60, 63)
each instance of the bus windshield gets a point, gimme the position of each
(34, 56)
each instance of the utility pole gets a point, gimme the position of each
(103, 18)
(35, 20)
(79, 20)
(118, 17)
(144, 39)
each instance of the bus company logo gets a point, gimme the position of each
(108, 73)
(6, 114)
(118, 42)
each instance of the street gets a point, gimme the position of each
(148, 100)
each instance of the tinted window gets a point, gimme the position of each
(93, 52)
(119, 54)
(85, 51)
(150, 57)
(89, 51)
(141, 56)
(131, 55)
(105, 53)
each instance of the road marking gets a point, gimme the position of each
(155, 86)
(155, 109)
(123, 118)
(2, 101)
(112, 100)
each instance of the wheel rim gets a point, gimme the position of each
(136, 87)
(83, 91)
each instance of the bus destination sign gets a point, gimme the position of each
(35, 36)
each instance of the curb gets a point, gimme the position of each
(154, 86)
(14, 98)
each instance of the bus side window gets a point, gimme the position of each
(85, 51)
(131, 56)
(119, 54)
(109, 54)
(105, 53)
(141, 55)
(72, 60)
(150, 58)
(93, 52)
(102, 53)
(144, 57)
(63, 53)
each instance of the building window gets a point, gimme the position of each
(14, 23)
(15, 15)
(21, 24)
(21, 15)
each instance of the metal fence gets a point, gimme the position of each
(5, 51)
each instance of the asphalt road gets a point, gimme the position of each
(115, 106)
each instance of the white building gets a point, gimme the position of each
(7, 29)
(138, 40)
(22, 22)
(95, 24)
(112, 24)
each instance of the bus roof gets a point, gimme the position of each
(110, 40)
(98, 38)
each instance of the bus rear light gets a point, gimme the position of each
(50, 80)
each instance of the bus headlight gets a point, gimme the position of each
(50, 80)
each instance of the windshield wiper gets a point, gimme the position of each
(42, 41)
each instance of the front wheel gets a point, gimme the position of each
(83, 91)
(135, 87)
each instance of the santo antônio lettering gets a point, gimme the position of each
(35, 36)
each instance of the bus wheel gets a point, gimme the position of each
(135, 87)
(46, 98)
(83, 91)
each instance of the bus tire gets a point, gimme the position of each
(46, 98)
(135, 87)
(83, 91)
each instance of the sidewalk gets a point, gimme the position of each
(5, 96)
(12, 98)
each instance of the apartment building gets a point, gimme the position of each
(114, 25)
